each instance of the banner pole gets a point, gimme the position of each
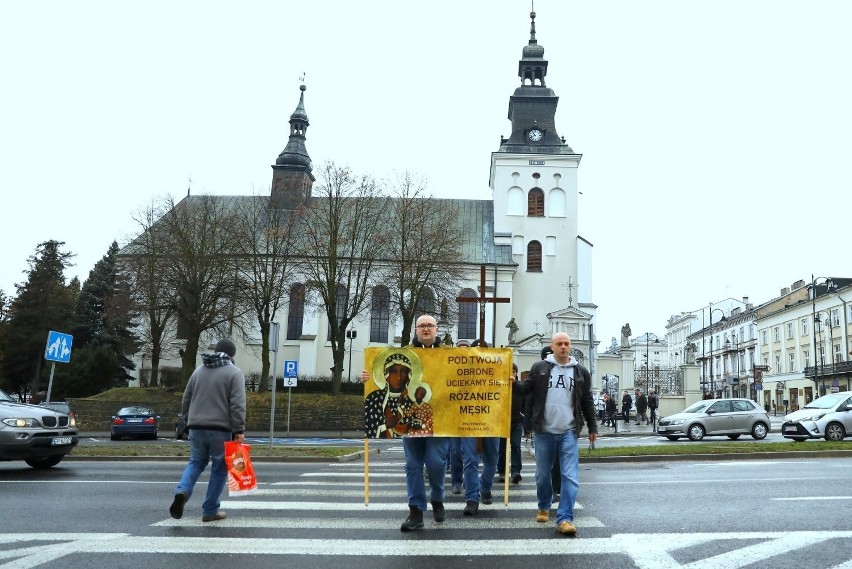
(366, 472)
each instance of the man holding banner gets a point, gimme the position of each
(427, 396)
(562, 398)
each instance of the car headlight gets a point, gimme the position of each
(677, 421)
(21, 423)
(72, 422)
(814, 417)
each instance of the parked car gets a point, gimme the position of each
(717, 417)
(828, 417)
(60, 406)
(39, 436)
(134, 422)
(181, 430)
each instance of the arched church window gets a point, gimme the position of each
(534, 257)
(296, 312)
(380, 315)
(535, 203)
(425, 304)
(342, 301)
(467, 316)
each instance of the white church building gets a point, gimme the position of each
(526, 237)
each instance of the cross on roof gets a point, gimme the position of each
(570, 286)
(482, 300)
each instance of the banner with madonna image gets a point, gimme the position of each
(437, 392)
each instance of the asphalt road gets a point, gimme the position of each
(778, 514)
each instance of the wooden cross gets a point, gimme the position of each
(482, 300)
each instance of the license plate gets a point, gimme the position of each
(791, 429)
(134, 420)
(57, 441)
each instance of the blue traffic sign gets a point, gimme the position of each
(291, 368)
(58, 347)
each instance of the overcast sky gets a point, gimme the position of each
(715, 135)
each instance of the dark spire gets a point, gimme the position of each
(533, 66)
(532, 108)
(292, 179)
(295, 153)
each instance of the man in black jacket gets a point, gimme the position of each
(562, 399)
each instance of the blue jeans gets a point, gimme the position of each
(431, 452)
(514, 451)
(456, 462)
(473, 484)
(206, 446)
(547, 446)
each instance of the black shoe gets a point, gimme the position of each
(456, 489)
(516, 477)
(413, 521)
(438, 511)
(501, 478)
(176, 509)
(471, 508)
(555, 497)
(487, 499)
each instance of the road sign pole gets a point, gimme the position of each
(272, 405)
(50, 382)
(289, 395)
(274, 327)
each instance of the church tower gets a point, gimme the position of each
(292, 179)
(534, 183)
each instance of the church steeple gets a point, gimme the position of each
(532, 108)
(292, 179)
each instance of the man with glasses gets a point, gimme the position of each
(430, 452)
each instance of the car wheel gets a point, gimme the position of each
(154, 437)
(834, 432)
(759, 431)
(671, 438)
(177, 435)
(44, 462)
(113, 437)
(696, 432)
(733, 437)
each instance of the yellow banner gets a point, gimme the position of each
(441, 392)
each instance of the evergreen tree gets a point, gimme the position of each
(43, 303)
(103, 330)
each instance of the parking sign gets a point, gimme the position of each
(291, 372)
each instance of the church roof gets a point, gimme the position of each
(475, 219)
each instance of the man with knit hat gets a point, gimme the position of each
(214, 404)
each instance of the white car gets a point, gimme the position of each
(717, 417)
(829, 418)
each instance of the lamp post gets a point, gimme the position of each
(736, 345)
(712, 357)
(829, 287)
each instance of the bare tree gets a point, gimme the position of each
(263, 243)
(200, 269)
(341, 238)
(423, 250)
(144, 261)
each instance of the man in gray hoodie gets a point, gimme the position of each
(562, 398)
(214, 404)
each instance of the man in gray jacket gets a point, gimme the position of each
(214, 404)
(562, 403)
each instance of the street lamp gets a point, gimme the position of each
(712, 357)
(736, 354)
(829, 287)
(648, 361)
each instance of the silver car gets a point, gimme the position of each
(829, 417)
(717, 417)
(39, 436)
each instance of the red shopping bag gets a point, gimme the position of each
(241, 478)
